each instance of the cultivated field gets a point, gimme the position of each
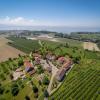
(83, 82)
(23, 44)
(90, 46)
(7, 51)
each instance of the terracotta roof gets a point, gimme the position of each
(61, 59)
(27, 64)
(66, 64)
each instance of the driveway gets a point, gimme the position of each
(54, 71)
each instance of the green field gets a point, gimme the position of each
(83, 82)
(71, 42)
(86, 35)
(23, 44)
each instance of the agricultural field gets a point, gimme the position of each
(7, 51)
(90, 46)
(71, 42)
(86, 35)
(83, 82)
(23, 44)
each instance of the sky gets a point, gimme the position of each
(57, 13)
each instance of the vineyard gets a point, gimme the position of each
(23, 44)
(83, 83)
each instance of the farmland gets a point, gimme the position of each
(71, 42)
(90, 46)
(23, 44)
(82, 82)
(7, 51)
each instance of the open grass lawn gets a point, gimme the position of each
(23, 44)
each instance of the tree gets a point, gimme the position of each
(11, 76)
(45, 81)
(66, 45)
(35, 89)
(31, 82)
(19, 55)
(27, 97)
(39, 82)
(9, 59)
(46, 94)
(2, 90)
(76, 60)
(40, 69)
(14, 89)
(20, 62)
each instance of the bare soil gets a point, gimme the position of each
(90, 46)
(7, 51)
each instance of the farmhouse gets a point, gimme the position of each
(29, 67)
(61, 73)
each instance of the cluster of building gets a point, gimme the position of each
(29, 68)
(66, 65)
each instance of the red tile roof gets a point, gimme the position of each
(61, 59)
(27, 64)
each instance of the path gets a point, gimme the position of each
(54, 71)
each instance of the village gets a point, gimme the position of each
(49, 69)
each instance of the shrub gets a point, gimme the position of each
(14, 89)
(46, 94)
(35, 89)
(20, 62)
(45, 81)
(1, 90)
(27, 98)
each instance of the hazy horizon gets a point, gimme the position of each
(63, 29)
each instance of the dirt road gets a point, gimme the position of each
(90, 46)
(7, 51)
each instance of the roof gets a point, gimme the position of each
(27, 64)
(60, 74)
(66, 64)
(61, 59)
